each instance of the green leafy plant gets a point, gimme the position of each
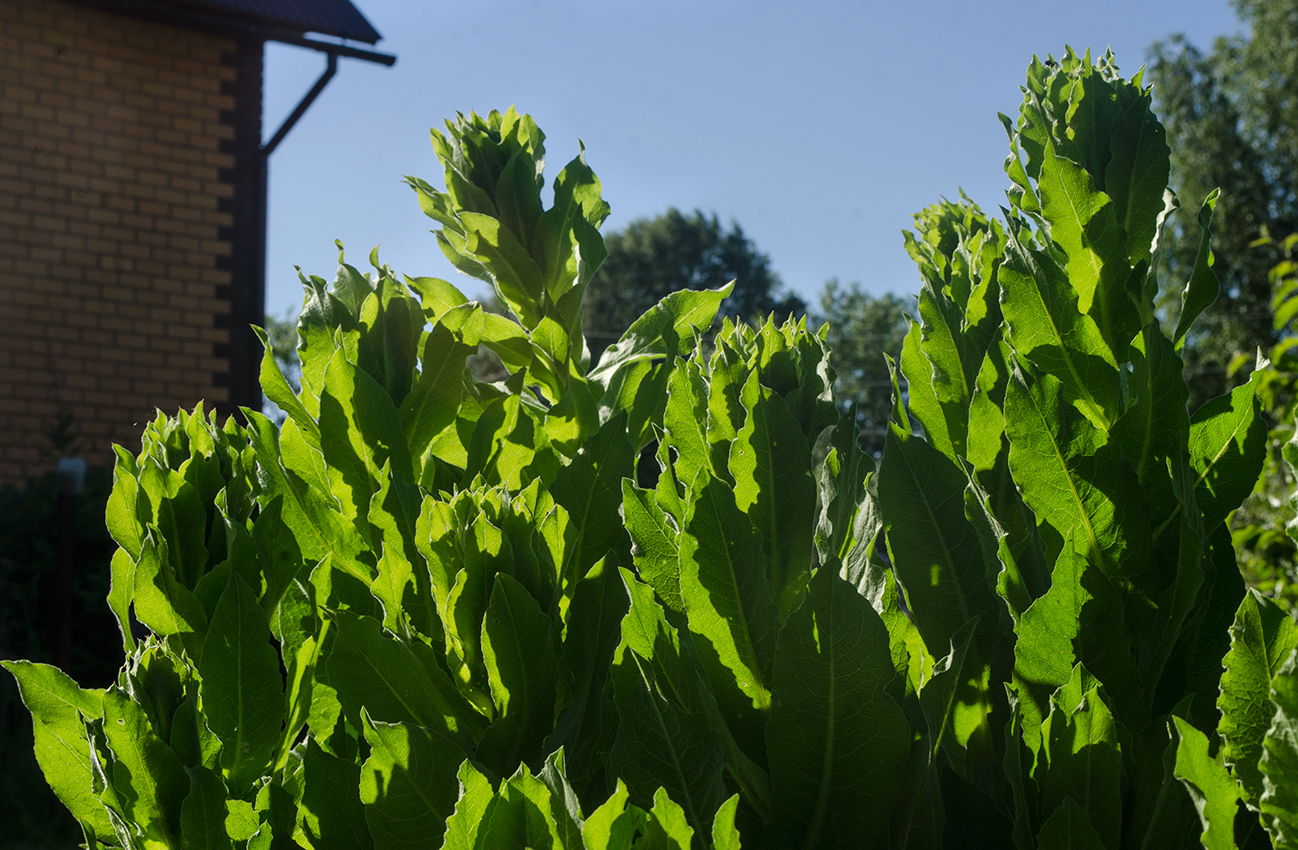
(1266, 552)
(430, 610)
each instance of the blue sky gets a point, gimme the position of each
(818, 127)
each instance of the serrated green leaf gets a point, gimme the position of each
(57, 706)
(331, 813)
(475, 793)
(1084, 223)
(509, 266)
(176, 509)
(123, 515)
(939, 697)
(144, 773)
(667, 329)
(387, 676)
(613, 825)
(1227, 448)
(1211, 787)
(921, 397)
(120, 592)
(666, 735)
(836, 741)
(1261, 640)
(1083, 758)
(770, 462)
(730, 605)
(724, 834)
(567, 806)
(590, 489)
(243, 694)
(203, 814)
(360, 431)
(1074, 480)
(1078, 620)
(408, 784)
(276, 388)
(521, 669)
(594, 623)
(524, 813)
(277, 552)
(685, 419)
(934, 548)
(655, 543)
(1068, 828)
(157, 679)
(1157, 418)
(1202, 287)
(434, 401)
(666, 827)
(161, 602)
(1047, 327)
(311, 511)
(1279, 764)
(953, 360)
(842, 478)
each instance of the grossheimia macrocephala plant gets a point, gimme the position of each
(430, 611)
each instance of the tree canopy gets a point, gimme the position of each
(652, 258)
(862, 329)
(1232, 122)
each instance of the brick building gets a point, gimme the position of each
(132, 208)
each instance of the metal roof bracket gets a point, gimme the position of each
(331, 68)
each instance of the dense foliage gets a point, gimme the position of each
(862, 331)
(1232, 119)
(1268, 557)
(428, 610)
(31, 536)
(650, 259)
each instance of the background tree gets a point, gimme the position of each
(862, 328)
(1232, 122)
(653, 258)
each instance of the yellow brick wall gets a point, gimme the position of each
(114, 226)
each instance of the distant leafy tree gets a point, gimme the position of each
(652, 258)
(1267, 556)
(281, 332)
(1232, 122)
(862, 329)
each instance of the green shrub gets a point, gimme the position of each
(428, 610)
(29, 549)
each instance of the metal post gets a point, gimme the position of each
(71, 478)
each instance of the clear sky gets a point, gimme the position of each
(819, 127)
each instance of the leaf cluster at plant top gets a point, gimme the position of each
(433, 611)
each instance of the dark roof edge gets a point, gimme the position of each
(232, 26)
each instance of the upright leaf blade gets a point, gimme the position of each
(730, 604)
(1202, 287)
(1279, 765)
(1073, 480)
(836, 741)
(58, 707)
(331, 813)
(935, 549)
(521, 669)
(1227, 449)
(243, 694)
(771, 465)
(1262, 638)
(145, 775)
(408, 784)
(1211, 788)
(666, 735)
